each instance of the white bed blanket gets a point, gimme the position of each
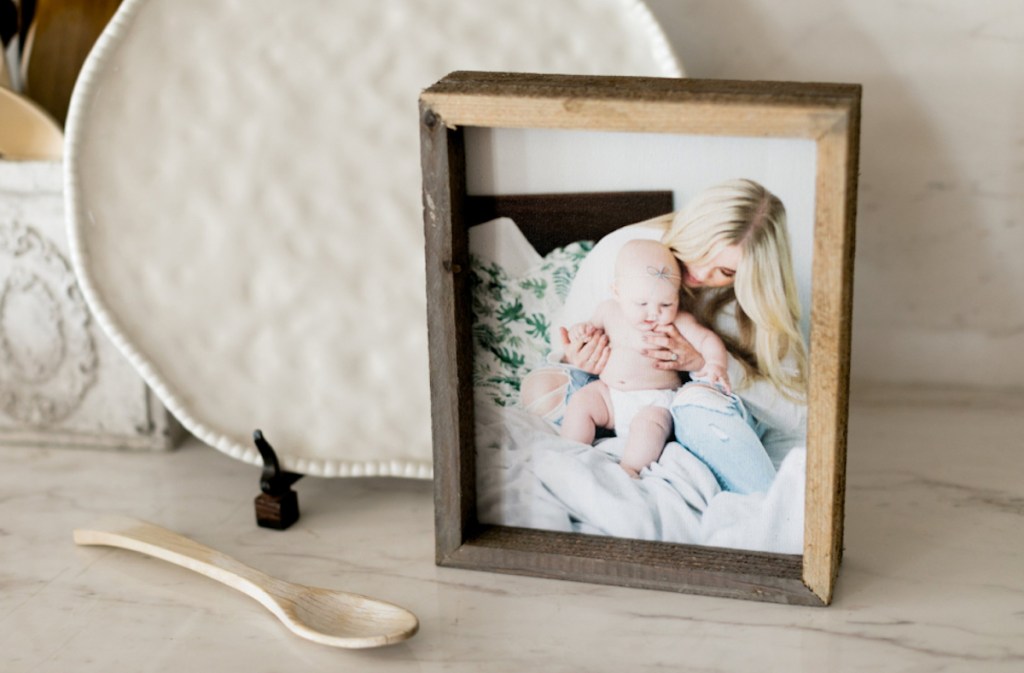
(528, 476)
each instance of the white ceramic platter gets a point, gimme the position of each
(243, 194)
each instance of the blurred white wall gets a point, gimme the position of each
(939, 290)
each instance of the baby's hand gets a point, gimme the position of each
(581, 332)
(716, 374)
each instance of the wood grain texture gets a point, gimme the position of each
(648, 104)
(325, 616)
(59, 40)
(827, 113)
(829, 384)
(5, 75)
(448, 330)
(707, 571)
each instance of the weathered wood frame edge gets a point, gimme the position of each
(828, 114)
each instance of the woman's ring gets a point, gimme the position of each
(675, 356)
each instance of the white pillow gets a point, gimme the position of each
(500, 241)
(512, 311)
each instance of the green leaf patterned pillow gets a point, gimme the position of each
(512, 318)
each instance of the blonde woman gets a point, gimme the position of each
(733, 243)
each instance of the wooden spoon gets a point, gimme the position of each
(334, 618)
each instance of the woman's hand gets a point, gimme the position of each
(590, 352)
(670, 350)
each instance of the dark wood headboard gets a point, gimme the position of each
(550, 221)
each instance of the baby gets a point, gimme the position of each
(632, 396)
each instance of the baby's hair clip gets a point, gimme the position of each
(662, 273)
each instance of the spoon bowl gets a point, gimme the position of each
(326, 616)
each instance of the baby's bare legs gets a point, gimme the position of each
(648, 432)
(589, 408)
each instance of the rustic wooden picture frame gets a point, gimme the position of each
(827, 114)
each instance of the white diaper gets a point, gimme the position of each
(626, 404)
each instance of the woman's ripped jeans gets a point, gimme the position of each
(718, 429)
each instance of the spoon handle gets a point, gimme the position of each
(152, 540)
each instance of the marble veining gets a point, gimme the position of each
(931, 578)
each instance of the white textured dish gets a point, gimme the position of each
(243, 195)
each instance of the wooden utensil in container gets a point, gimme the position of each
(60, 37)
(5, 76)
(8, 30)
(27, 132)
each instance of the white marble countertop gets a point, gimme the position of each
(933, 576)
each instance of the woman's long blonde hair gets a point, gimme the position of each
(744, 213)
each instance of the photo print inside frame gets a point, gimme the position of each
(639, 296)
